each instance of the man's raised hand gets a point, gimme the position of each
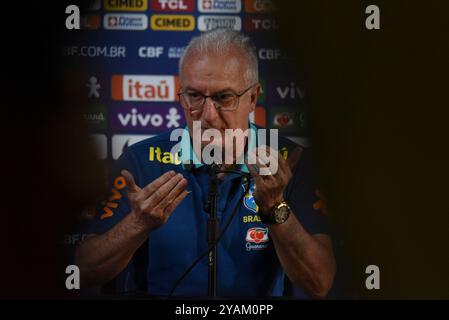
(154, 203)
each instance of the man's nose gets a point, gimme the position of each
(210, 113)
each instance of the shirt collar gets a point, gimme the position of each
(187, 156)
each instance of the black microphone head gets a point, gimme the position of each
(213, 168)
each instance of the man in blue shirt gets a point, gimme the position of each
(159, 195)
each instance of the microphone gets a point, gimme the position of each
(212, 170)
(213, 229)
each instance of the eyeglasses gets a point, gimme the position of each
(223, 101)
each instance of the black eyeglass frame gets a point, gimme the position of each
(218, 107)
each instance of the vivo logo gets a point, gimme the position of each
(135, 119)
(290, 92)
(148, 118)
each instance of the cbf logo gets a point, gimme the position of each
(249, 202)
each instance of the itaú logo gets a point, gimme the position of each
(144, 88)
(257, 235)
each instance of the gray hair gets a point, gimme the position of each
(221, 41)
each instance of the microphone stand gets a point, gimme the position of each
(213, 227)
(212, 231)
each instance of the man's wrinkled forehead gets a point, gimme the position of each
(213, 65)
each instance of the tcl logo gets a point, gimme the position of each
(144, 88)
(259, 6)
(260, 24)
(257, 235)
(173, 5)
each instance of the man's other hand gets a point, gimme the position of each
(270, 187)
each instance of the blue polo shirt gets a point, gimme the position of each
(247, 261)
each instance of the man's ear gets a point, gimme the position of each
(255, 92)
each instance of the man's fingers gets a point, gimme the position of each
(132, 186)
(266, 161)
(178, 188)
(253, 169)
(152, 187)
(284, 168)
(270, 165)
(284, 165)
(168, 209)
(162, 191)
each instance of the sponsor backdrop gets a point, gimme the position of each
(126, 61)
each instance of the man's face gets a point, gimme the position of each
(211, 74)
